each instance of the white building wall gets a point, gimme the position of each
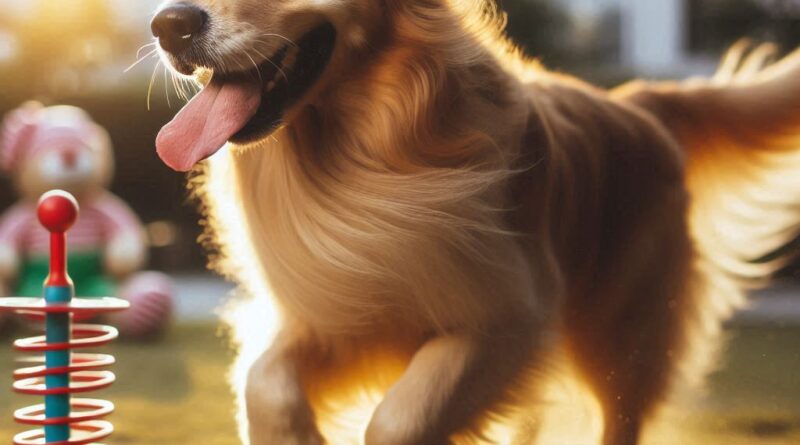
(653, 35)
(589, 7)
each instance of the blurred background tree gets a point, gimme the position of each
(714, 25)
(540, 27)
(61, 49)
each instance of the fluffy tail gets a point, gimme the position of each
(741, 133)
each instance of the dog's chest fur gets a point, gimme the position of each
(347, 248)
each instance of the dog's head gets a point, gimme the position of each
(259, 61)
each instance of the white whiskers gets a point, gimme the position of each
(141, 59)
(267, 59)
(213, 57)
(258, 70)
(166, 87)
(152, 81)
(143, 47)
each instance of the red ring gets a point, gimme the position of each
(81, 381)
(92, 430)
(76, 306)
(85, 409)
(80, 362)
(85, 371)
(104, 335)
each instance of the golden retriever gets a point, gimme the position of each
(430, 214)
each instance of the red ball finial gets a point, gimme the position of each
(58, 211)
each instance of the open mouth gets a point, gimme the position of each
(246, 106)
(282, 87)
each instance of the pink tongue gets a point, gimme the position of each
(207, 122)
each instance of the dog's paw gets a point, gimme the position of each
(280, 416)
(393, 425)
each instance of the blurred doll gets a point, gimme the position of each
(61, 147)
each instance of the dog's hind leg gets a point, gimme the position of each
(278, 410)
(626, 335)
(627, 364)
(451, 380)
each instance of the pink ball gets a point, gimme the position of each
(151, 297)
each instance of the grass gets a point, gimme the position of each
(755, 399)
(175, 392)
(171, 392)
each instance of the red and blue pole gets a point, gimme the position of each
(65, 420)
(57, 212)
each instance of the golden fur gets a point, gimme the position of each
(438, 215)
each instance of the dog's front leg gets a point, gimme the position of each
(278, 410)
(451, 380)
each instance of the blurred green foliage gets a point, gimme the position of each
(714, 25)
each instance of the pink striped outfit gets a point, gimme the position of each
(104, 219)
(101, 219)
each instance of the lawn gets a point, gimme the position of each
(174, 392)
(167, 393)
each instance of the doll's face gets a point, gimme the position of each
(80, 169)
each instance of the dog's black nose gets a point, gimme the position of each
(177, 26)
